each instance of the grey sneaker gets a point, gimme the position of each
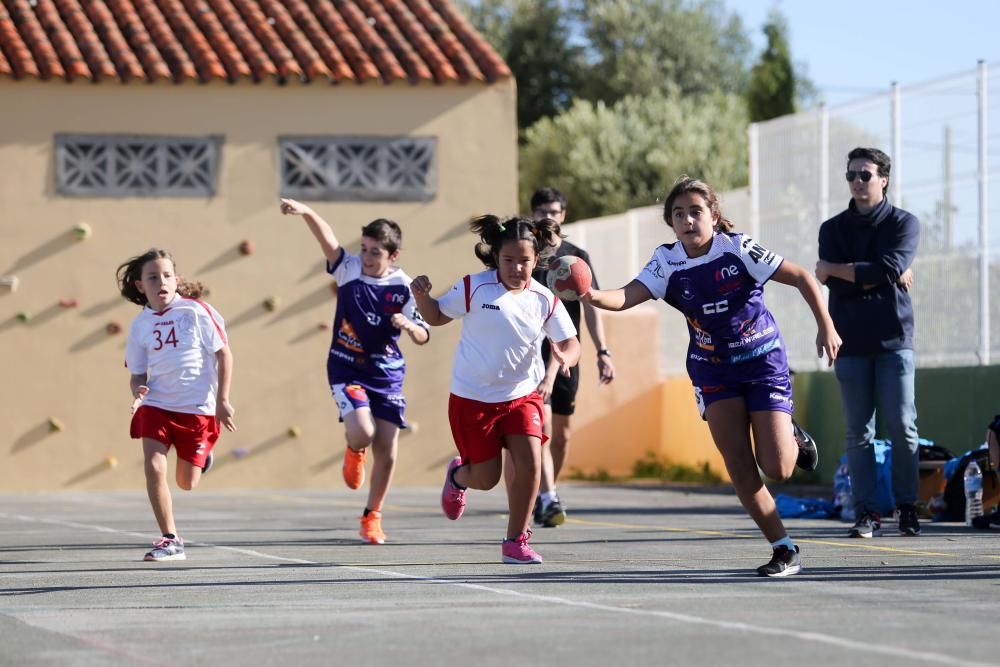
(167, 548)
(868, 524)
(209, 460)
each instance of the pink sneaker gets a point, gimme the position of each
(452, 498)
(517, 551)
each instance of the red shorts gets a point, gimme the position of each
(194, 436)
(479, 428)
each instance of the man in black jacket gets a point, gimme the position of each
(865, 255)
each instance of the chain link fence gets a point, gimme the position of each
(944, 171)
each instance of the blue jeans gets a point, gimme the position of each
(889, 378)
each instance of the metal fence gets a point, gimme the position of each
(938, 136)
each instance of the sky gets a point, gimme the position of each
(853, 49)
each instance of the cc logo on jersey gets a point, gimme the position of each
(717, 307)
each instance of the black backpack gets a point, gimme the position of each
(954, 490)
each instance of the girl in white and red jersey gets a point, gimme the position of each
(181, 367)
(494, 401)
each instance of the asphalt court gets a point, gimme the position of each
(637, 576)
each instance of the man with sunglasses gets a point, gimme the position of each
(865, 255)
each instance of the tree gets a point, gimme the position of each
(611, 158)
(640, 46)
(772, 90)
(533, 37)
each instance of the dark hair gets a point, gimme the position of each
(385, 232)
(493, 231)
(130, 271)
(879, 158)
(547, 196)
(687, 184)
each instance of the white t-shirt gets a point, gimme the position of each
(177, 347)
(499, 355)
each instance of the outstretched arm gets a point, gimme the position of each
(319, 227)
(622, 298)
(827, 338)
(426, 304)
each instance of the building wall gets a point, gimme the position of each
(62, 365)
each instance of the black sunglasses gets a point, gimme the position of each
(865, 176)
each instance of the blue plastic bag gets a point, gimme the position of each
(790, 507)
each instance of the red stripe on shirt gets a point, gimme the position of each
(208, 310)
(468, 292)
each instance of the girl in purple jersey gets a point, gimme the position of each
(736, 357)
(365, 366)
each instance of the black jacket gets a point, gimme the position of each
(882, 245)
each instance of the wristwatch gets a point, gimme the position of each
(604, 351)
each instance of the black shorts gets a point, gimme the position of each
(563, 399)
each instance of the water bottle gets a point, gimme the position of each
(973, 492)
(843, 497)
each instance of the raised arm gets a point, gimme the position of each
(426, 304)
(622, 298)
(827, 338)
(319, 227)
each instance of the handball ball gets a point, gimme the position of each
(569, 277)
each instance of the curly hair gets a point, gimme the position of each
(494, 231)
(687, 184)
(130, 271)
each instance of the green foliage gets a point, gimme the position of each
(773, 85)
(608, 159)
(650, 467)
(601, 475)
(643, 46)
(533, 37)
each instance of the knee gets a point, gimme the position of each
(778, 471)
(186, 484)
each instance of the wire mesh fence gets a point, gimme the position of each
(945, 164)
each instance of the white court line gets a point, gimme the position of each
(816, 637)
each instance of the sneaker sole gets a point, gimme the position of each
(514, 561)
(787, 572)
(910, 533)
(368, 540)
(150, 559)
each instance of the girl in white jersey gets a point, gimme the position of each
(494, 401)
(736, 357)
(181, 367)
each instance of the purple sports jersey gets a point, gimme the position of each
(733, 336)
(365, 345)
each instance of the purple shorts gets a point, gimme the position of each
(351, 396)
(773, 394)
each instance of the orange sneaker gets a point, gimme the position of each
(354, 468)
(371, 528)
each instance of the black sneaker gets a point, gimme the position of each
(987, 521)
(536, 513)
(808, 454)
(868, 524)
(553, 515)
(784, 562)
(209, 460)
(909, 525)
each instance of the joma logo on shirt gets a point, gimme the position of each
(491, 306)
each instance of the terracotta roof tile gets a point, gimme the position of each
(338, 41)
